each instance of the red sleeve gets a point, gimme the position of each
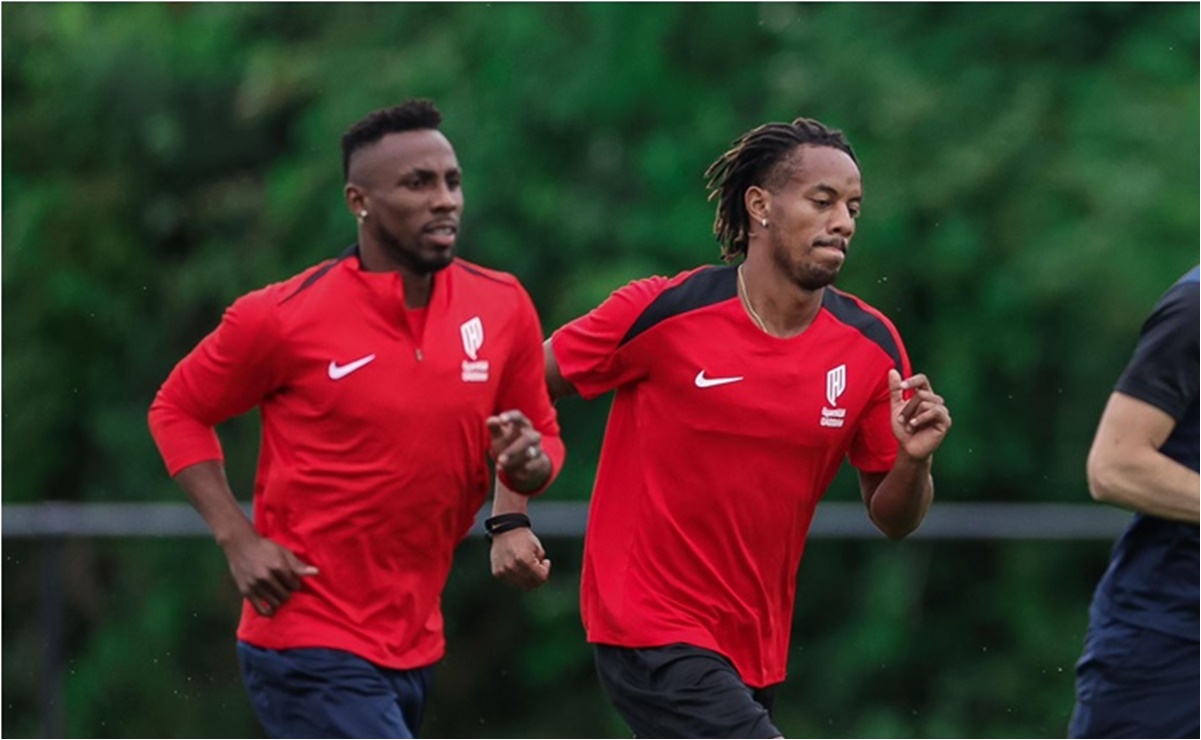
(523, 387)
(590, 351)
(227, 374)
(874, 447)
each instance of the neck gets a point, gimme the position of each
(417, 285)
(418, 289)
(776, 304)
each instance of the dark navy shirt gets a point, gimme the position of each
(1152, 580)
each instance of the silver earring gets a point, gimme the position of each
(764, 222)
(362, 216)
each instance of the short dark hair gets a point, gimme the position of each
(411, 115)
(759, 157)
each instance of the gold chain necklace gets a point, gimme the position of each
(746, 301)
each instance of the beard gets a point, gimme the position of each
(411, 255)
(810, 276)
(814, 277)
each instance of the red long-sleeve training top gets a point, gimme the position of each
(374, 457)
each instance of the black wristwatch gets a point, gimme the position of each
(503, 523)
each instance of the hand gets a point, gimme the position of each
(519, 560)
(920, 423)
(266, 574)
(517, 449)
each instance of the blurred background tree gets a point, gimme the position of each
(1030, 191)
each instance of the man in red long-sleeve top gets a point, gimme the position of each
(385, 378)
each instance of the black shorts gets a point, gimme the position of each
(319, 692)
(1134, 682)
(682, 691)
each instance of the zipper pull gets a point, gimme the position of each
(420, 355)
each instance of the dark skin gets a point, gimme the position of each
(406, 193)
(267, 573)
(801, 233)
(406, 190)
(810, 221)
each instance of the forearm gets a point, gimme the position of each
(1147, 481)
(210, 494)
(506, 501)
(900, 502)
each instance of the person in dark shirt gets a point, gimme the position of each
(1138, 675)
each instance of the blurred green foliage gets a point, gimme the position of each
(1031, 189)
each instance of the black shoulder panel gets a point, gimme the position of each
(703, 288)
(475, 271)
(352, 250)
(848, 311)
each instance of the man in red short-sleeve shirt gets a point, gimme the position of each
(739, 391)
(385, 379)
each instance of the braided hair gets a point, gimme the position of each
(763, 157)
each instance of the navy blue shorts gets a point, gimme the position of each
(318, 692)
(682, 691)
(1133, 682)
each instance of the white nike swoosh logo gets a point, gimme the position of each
(337, 372)
(703, 382)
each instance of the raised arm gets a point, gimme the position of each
(518, 558)
(897, 501)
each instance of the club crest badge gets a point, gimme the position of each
(836, 383)
(475, 370)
